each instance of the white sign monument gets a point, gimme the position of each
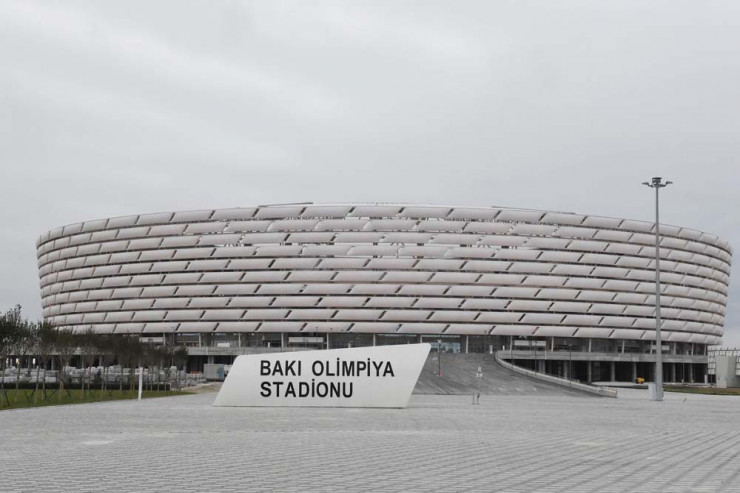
(379, 376)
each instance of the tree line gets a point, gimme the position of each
(25, 340)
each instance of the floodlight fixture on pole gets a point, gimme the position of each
(657, 183)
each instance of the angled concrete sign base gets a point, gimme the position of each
(379, 376)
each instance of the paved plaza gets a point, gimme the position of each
(440, 443)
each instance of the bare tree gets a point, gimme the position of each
(106, 350)
(87, 342)
(24, 341)
(66, 345)
(9, 332)
(46, 336)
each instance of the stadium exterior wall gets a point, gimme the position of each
(354, 270)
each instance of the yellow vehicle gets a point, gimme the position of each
(640, 380)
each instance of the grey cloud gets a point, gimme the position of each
(120, 108)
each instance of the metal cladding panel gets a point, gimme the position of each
(136, 304)
(440, 226)
(227, 314)
(452, 316)
(473, 214)
(576, 233)
(594, 333)
(375, 211)
(398, 226)
(423, 251)
(326, 211)
(514, 330)
(505, 241)
(420, 212)
(311, 276)
(519, 216)
(219, 239)
(240, 326)
(573, 270)
(562, 218)
(408, 315)
(555, 331)
(90, 318)
(358, 314)
(421, 289)
(529, 305)
(631, 225)
(196, 327)
(488, 228)
(279, 212)
(247, 226)
(455, 277)
(516, 254)
(469, 290)
(72, 229)
(627, 334)
(103, 328)
(148, 316)
(338, 225)
(265, 314)
(406, 237)
(428, 302)
(369, 250)
(358, 237)
(389, 302)
(375, 327)
(544, 281)
(547, 243)
(676, 336)
(544, 319)
(413, 263)
(469, 252)
(248, 301)
(183, 315)
(159, 328)
(358, 276)
(311, 314)
(171, 302)
(698, 338)
(567, 306)
(533, 230)
(233, 214)
(500, 317)
(486, 265)
(132, 328)
(469, 329)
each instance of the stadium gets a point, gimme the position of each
(562, 293)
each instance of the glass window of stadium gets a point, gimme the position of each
(449, 343)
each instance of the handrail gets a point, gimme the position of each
(591, 389)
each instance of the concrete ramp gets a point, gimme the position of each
(459, 378)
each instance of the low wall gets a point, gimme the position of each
(556, 380)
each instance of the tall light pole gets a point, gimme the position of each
(439, 357)
(657, 183)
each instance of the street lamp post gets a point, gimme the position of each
(439, 357)
(570, 362)
(657, 183)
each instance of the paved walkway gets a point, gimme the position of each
(459, 377)
(440, 443)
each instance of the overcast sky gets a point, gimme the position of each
(115, 108)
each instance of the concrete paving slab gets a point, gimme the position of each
(557, 443)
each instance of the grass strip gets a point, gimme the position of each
(75, 396)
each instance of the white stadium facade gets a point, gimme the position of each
(563, 293)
